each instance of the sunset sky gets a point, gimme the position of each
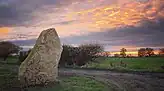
(131, 24)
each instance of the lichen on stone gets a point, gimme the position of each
(42, 62)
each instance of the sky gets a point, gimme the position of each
(115, 24)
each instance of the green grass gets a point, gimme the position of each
(9, 60)
(7, 79)
(83, 84)
(9, 82)
(74, 84)
(8, 72)
(135, 64)
(65, 84)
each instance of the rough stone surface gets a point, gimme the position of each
(41, 65)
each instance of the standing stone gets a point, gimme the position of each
(41, 65)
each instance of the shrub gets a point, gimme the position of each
(79, 55)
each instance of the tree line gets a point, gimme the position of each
(70, 56)
(76, 55)
(142, 52)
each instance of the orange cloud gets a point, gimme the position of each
(4, 30)
(90, 16)
(118, 15)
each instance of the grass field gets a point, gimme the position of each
(135, 64)
(128, 64)
(75, 84)
(9, 82)
(9, 60)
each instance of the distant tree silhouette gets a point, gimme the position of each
(123, 52)
(161, 52)
(142, 52)
(145, 52)
(107, 54)
(129, 55)
(7, 48)
(116, 55)
(149, 51)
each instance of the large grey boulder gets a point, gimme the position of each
(41, 65)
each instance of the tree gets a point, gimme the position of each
(142, 52)
(66, 56)
(88, 53)
(123, 52)
(129, 55)
(79, 55)
(23, 55)
(7, 48)
(107, 54)
(149, 52)
(116, 55)
(145, 52)
(69, 55)
(161, 52)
